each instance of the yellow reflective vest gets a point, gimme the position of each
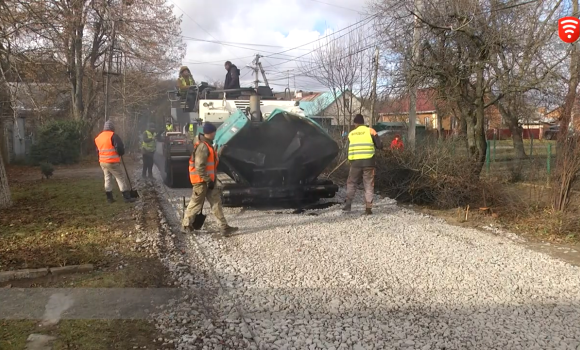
(169, 127)
(191, 130)
(360, 144)
(149, 146)
(183, 83)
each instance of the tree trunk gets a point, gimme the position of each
(5, 196)
(567, 155)
(475, 119)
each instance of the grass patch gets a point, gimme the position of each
(68, 221)
(56, 223)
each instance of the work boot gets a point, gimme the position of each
(368, 211)
(347, 206)
(110, 198)
(228, 230)
(127, 197)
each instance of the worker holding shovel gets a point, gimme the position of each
(203, 165)
(111, 149)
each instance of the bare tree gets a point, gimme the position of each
(461, 44)
(77, 36)
(343, 64)
(525, 61)
(568, 157)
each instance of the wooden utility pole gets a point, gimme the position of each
(374, 91)
(411, 137)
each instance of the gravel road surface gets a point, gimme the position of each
(395, 280)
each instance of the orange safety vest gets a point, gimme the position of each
(107, 152)
(210, 168)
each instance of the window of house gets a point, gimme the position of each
(347, 104)
(427, 121)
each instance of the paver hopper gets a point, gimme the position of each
(277, 160)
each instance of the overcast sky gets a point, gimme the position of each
(241, 25)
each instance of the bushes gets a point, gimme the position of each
(59, 142)
(433, 175)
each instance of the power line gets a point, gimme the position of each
(194, 21)
(328, 43)
(326, 36)
(337, 6)
(231, 43)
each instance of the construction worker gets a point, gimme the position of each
(191, 127)
(185, 79)
(148, 149)
(168, 125)
(203, 165)
(232, 76)
(110, 148)
(397, 143)
(232, 80)
(361, 145)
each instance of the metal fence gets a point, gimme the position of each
(503, 163)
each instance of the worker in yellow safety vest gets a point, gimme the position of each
(185, 80)
(148, 148)
(190, 129)
(168, 126)
(361, 145)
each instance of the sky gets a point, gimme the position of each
(267, 27)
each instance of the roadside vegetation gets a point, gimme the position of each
(66, 221)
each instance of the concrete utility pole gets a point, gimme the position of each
(411, 138)
(374, 91)
(257, 68)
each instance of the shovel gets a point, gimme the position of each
(199, 219)
(133, 193)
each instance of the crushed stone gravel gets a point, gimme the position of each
(325, 279)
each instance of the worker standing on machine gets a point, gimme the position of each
(148, 148)
(203, 165)
(185, 79)
(111, 149)
(168, 125)
(189, 130)
(232, 79)
(361, 145)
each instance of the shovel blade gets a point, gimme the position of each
(198, 221)
(134, 194)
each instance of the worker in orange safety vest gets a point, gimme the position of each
(110, 148)
(203, 165)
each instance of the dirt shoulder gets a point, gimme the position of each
(66, 221)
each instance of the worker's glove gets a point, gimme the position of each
(211, 185)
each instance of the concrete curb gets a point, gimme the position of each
(6, 276)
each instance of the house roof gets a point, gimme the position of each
(316, 103)
(425, 103)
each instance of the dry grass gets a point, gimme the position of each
(67, 221)
(440, 180)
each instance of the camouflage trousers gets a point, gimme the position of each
(199, 194)
(368, 178)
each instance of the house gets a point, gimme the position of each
(330, 109)
(31, 103)
(427, 111)
(431, 111)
